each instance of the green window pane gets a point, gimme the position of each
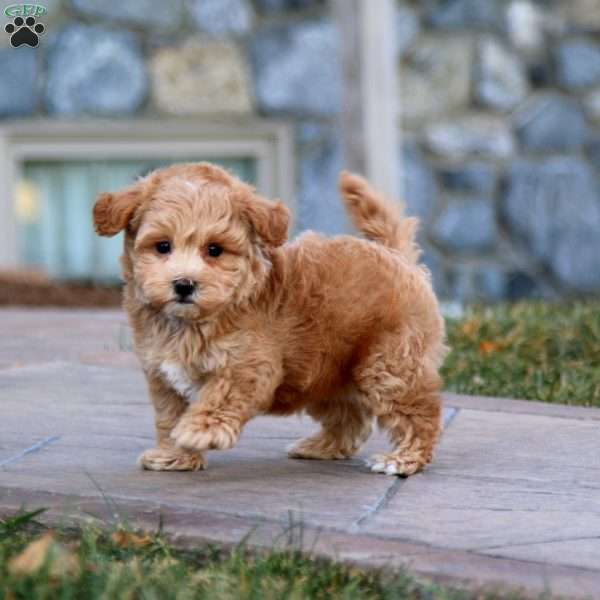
(54, 211)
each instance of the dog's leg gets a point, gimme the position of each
(224, 405)
(414, 431)
(401, 387)
(168, 408)
(345, 427)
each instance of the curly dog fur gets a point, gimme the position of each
(346, 329)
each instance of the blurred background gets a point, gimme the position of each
(483, 115)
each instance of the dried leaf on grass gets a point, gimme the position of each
(46, 550)
(127, 539)
(487, 347)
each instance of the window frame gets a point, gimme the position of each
(269, 143)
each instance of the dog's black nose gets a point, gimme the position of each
(183, 288)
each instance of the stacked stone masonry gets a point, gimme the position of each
(500, 104)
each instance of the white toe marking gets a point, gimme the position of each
(391, 469)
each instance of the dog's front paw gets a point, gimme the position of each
(171, 459)
(205, 433)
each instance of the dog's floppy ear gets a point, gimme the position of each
(113, 211)
(269, 219)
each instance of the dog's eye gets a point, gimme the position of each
(163, 247)
(214, 250)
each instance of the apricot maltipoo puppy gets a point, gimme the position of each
(231, 322)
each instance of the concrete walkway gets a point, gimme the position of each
(512, 497)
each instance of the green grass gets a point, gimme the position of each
(93, 563)
(535, 351)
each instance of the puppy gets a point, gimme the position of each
(230, 322)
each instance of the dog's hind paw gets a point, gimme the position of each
(396, 464)
(171, 459)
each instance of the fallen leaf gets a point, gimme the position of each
(127, 539)
(45, 550)
(488, 347)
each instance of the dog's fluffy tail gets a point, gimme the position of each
(378, 219)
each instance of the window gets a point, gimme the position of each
(54, 172)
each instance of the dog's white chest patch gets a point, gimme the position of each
(179, 380)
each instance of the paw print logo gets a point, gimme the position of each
(24, 32)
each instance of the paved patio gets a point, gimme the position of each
(512, 497)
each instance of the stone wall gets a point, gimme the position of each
(501, 111)
(500, 104)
